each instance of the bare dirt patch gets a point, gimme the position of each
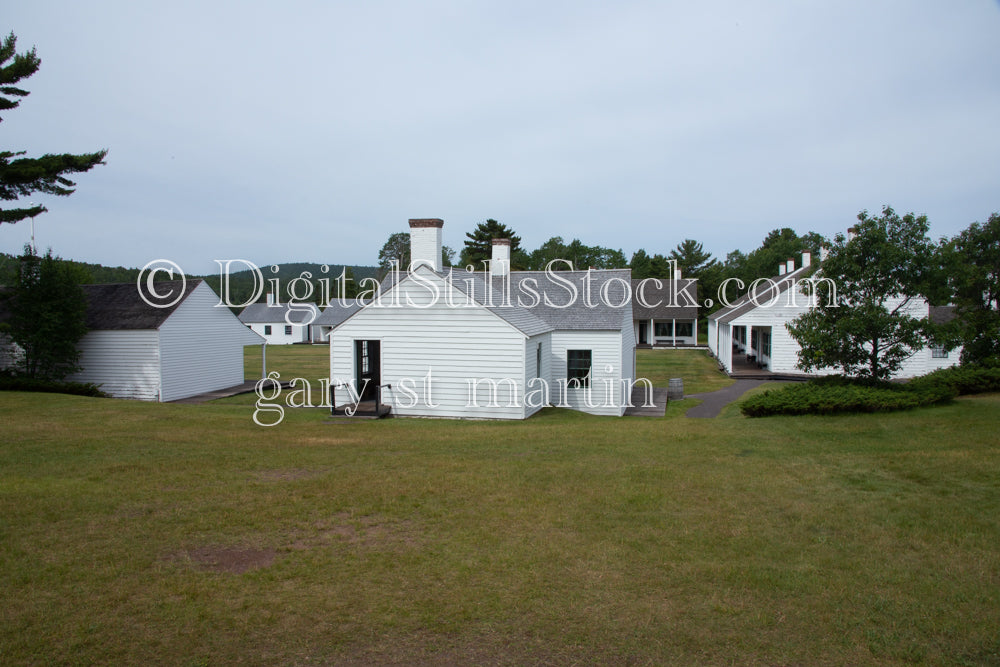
(234, 560)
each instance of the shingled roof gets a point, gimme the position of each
(265, 313)
(668, 301)
(120, 306)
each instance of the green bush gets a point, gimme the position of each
(10, 382)
(962, 379)
(838, 395)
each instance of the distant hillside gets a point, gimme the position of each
(241, 283)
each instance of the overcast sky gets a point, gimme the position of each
(311, 131)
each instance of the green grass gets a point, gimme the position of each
(563, 539)
(311, 362)
(699, 371)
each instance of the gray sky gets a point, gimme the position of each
(311, 131)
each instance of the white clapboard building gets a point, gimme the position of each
(497, 345)
(753, 332)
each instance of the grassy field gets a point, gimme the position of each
(180, 534)
(659, 366)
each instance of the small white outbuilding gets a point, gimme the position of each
(135, 350)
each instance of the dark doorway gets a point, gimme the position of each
(643, 335)
(368, 365)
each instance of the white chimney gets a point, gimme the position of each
(425, 243)
(677, 273)
(851, 233)
(791, 266)
(500, 258)
(270, 298)
(781, 269)
(824, 252)
(806, 259)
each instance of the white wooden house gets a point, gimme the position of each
(336, 312)
(499, 346)
(135, 350)
(752, 332)
(665, 311)
(279, 323)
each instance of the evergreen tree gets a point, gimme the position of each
(47, 316)
(641, 265)
(691, 258)
(21, 176)
(479, 244)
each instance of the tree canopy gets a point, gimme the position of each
(22, 176)
(865, 328)
(972, 259)
(582, 256)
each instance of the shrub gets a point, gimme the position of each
(837, 395)
(10, 382)
(962, 379)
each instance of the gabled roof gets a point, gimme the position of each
(598, 304)
(668, 301)
(264, 313)
(338, 311)
(777, 286)
(120, 306)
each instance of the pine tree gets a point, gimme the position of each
(47, 316)
(479, 244)
(22, 176)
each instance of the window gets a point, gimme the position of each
(938, 352)
(664, 329)
(685, 329)
(288, 329)
(538, 361)
(578, 368)
(267, 329)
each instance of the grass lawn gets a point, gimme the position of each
(185, 534)
(312, 362)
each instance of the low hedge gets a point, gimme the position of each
(963, 379)
(19, 383)
(829, 396)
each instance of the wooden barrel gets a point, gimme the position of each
(675, 389)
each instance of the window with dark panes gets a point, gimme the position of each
(684, 329)
(288, 329)
(578, 368)
(267, 329)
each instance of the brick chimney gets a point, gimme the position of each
(425, 243)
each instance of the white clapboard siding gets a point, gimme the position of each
(299, 334)
(201, 347)
(455, 347)
(536, 379)
(628, 347)
(125, 363)
(605, 396)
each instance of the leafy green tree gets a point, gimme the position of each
(580, 255)
(47, 316)
(865, 328)
(479, 243)
(973, 262)
(22, 176)
(778, 246)
(397, 247)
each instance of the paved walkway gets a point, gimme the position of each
(712, 402)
